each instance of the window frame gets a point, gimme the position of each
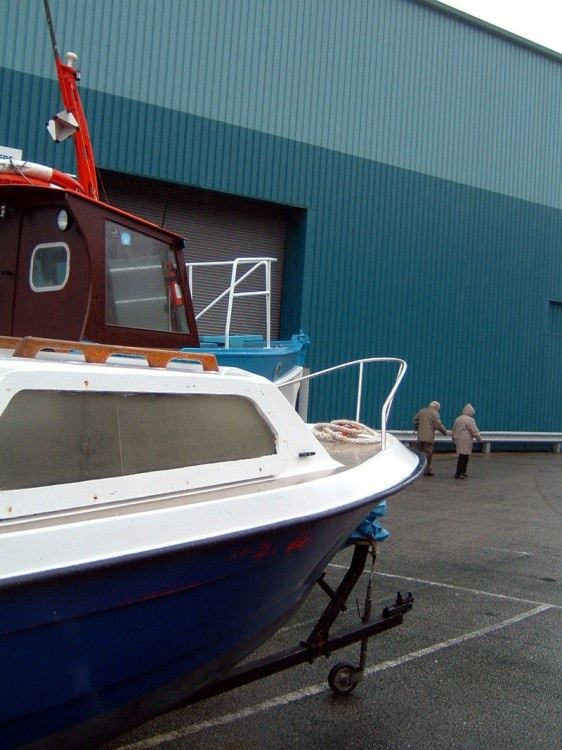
(55, 287)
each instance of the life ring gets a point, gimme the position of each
(28, 173)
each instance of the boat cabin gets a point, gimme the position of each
(72, 267)
(86, 424)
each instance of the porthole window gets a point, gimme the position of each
(50, 265)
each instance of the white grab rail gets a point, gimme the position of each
(386, 407)
(230, 291)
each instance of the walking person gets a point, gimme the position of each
(464, 432)
(426, 421)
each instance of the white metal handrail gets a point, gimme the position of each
(360, 363)
(230, 291)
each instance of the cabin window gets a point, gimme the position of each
(142, 282)
(50, 265)
(50, 437)
(555, 317)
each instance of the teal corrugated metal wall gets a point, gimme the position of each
(424, 150)
(393, 81)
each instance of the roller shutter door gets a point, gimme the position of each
(217, 227)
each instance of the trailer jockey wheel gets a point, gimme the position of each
(343, 678)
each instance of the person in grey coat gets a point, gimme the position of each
(426, 421)
(464, 433)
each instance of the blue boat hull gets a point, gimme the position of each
(88, 653)
(249, 353)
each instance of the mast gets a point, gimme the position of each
(72, 121)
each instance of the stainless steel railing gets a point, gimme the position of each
(360, 364)
(232, 291)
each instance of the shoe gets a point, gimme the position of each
(464, 476)
(429, 474)
(460, 476)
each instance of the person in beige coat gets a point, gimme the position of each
(464, 432)
(426, 421)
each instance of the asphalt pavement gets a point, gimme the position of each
(477, 663)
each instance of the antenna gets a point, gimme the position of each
(51, 29)
(72, 121)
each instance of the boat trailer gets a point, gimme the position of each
(344, 676)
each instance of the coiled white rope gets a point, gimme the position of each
(346, 431)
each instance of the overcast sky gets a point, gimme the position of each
(539, 21)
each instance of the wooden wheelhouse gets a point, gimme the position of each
(73, 267)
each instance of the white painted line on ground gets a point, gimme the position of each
(518, 553)
(452, 586)
(459, 639)
(284, 700)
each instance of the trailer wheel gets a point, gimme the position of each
(340, 678)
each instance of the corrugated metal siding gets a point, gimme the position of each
(454, 280)
(393, 81)
(396, 259)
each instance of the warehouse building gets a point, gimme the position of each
(401, 160)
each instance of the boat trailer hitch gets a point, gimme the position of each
(343, 677)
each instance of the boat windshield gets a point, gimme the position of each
(142, 282)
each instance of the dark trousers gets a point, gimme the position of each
(462, 463)
(427, 450)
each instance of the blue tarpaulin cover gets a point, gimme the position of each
(370, 527)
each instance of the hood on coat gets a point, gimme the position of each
(468, 410)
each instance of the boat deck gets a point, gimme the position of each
(351, 454)
(348, 455)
